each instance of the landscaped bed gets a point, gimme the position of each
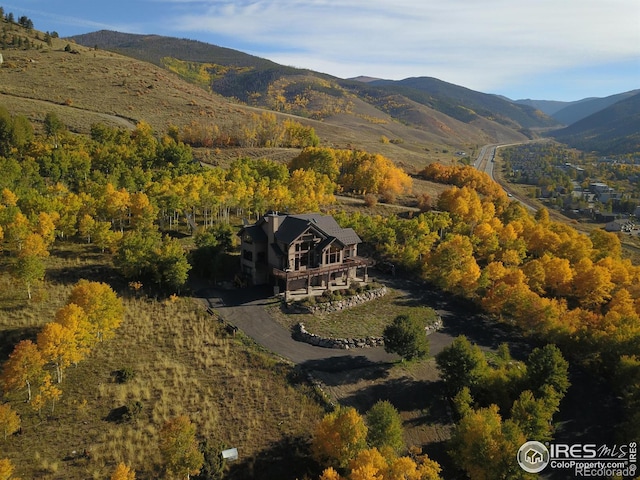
(367, 319)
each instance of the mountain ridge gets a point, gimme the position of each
(612, 130)
(265, 84)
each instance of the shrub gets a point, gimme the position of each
(125, 374)
(370, 200)
(406, 336)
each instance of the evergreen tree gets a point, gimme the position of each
(407, 337)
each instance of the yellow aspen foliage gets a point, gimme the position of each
(86, 226)
(483, 445)
(486, 243)
(463, 203)
(366, 472)
(452, 266)
(339, 436)
(592, 284)
(143, 213)
(330, 474)
(558, 275)
(9, 420)
(75, 319)
(621, 270)
(8, 198)
(510, 257)
(101, 304)
(47, 392)
(115, 204)
(23, 368)
(368, 462)
(605, 244)
(59, 346)
(535, 273)
(34, 245)
(122, 472)
(46, 226)
(6, 470)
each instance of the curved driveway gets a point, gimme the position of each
(245, 309)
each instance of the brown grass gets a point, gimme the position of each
(183, 364)
(99, 86)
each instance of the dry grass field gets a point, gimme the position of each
(183, 363)
(98, 86)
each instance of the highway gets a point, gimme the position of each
(485, 163)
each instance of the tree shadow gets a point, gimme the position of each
(288, 458)
(71, 275)
(406, 395)
(11, 337)
(347, 369)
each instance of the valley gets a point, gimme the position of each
(131, 162)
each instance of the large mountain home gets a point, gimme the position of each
(296, 252)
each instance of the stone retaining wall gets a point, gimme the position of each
(337, 305)
(301, 334)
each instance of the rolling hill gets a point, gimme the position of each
(613, 130)
(474, 116)
(568, 113)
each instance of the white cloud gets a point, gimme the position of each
(476, 43)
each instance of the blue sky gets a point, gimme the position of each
(540, 49)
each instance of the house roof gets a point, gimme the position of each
(295, 225)
(328, 225)
(255, 232)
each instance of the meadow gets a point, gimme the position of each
(179, 361)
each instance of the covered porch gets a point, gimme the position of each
(314, 281)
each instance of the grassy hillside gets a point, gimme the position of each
(465, 104)
(582, 109)
(182, 362)
(98, 86)
(314, 95)
(614, 130)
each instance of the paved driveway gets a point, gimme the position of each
(245, 308)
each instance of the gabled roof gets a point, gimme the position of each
(255, 232)
(328, 225)
(292, 227)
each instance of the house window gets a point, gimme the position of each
(247, 255)
(332, 256)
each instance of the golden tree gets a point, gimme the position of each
(6, 470)
(179, 448)
(101, 304)
(9, 420)
(23, 368)
(339, 436)
(59, 346)
(122, 472)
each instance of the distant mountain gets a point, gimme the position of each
(547, 106)
(613, 130)
(583, 108)
(364, 79)
(263, 83)
(567, 113)
(465, 104)
(154, 48)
